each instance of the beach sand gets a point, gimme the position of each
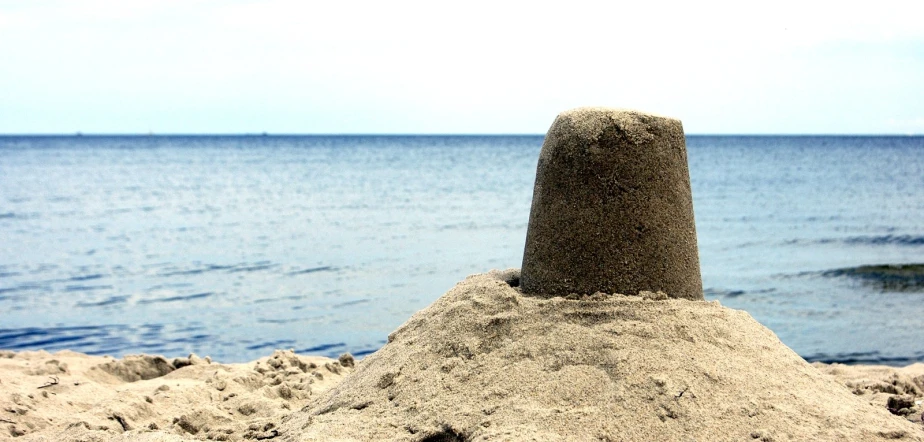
(483, 362)
(69, 396)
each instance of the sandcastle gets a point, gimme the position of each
(612, 209)
(603, 336)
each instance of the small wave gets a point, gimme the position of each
(277, 321)
(467, 226)
(312, 270)
(86, 288)
(733, 293)
(901, 240)
(20, 215)
(170, 285)
(85, 277)
(234, 268)
(109, 301)
(198, 340)
(872, 357)
(364, 352)
(47, 338)
(278, 299)
(886, 277)
(281, 343)
(177, 298)
(263, 265)
(349, 303)
(897, 240)
(23, 287)
(208, 268)
(722, 293)
(321, 348)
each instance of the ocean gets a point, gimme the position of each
(232, 246)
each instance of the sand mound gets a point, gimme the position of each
(485, 362)
(70, 396)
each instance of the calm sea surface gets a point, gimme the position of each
(233, 246)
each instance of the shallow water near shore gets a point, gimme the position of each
(232, 246)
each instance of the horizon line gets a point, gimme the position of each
(422, 134)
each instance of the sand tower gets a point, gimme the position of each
(612, 209)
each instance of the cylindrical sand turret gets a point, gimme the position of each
(612, 209)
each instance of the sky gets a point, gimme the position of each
(280, 66)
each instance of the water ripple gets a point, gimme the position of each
(177, 298)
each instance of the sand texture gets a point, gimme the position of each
(70, 396)
(486, 363)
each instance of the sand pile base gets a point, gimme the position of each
(485, 362)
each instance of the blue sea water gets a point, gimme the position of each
(231, 246)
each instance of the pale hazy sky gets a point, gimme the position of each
(134, 66)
